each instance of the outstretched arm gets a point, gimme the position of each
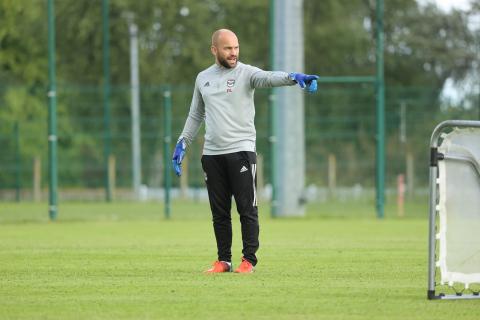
(269, 79)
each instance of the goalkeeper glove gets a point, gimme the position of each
(178, 156)
(305, 81)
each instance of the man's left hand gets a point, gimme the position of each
(305, 81)
(178, 155)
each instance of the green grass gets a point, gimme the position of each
(27, 212)
(124, 261)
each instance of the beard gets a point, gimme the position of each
(224, 62)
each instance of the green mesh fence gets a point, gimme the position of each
(339, 124)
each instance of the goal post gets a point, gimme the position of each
(454, 221)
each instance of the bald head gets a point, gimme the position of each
(220, 34)
(225, 48)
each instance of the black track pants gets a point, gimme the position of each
(226, 175)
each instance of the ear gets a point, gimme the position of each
(213, 49)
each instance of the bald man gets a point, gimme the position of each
(223, 98)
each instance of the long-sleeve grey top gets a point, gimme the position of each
(223, 98)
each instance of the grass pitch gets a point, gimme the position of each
(124, 261)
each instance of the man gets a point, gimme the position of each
(223, 98)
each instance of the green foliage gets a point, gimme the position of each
(24, 56)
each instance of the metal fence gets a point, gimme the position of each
(340, 141)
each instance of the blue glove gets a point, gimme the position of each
(305, 81)
(178, 156)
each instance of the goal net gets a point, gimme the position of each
(456, 246)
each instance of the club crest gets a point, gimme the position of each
(230, 83)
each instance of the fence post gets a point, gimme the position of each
(194, 170)
(37, 179)
(401, 195)
(52, 115)
(106, 98)
(260, 179)
(410, 175)
(380, 108)
(273, 151)
(167, 138)
(112, 177)
(18, 166)
(184, 178)
(332, 174)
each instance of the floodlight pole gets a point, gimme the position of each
(106, 97)
(52, 115)
(288, 145)
(380, 106)
(135, 108)
(379, 82)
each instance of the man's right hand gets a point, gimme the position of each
(178, 156)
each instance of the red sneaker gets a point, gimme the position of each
(220, 266)
(245, 267)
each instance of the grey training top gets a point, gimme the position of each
(224, 99)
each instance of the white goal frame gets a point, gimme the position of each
(435, 157)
